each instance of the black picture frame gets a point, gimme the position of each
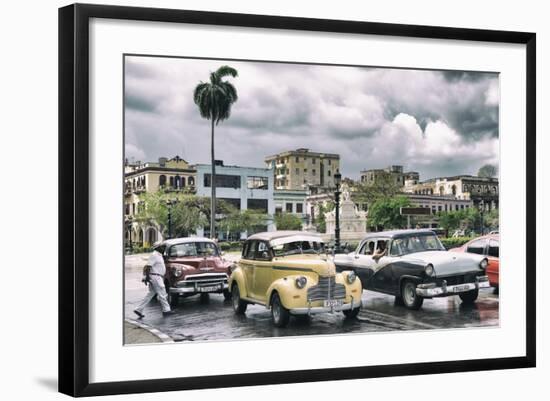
(74, 201)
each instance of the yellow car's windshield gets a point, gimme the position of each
(298, 247)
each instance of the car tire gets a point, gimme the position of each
(351, 313)
(409, 296)
(226, 295)
(469, 297)
(279, 314)
(173, 299)
(239, 306)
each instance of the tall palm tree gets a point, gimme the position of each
(214, 100)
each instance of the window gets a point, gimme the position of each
(297, 159)
(162, 180)
(329, 162)
(171, 180)
(263, 251)
(493, 248)
(477, 247)
(328, 173)
(191, 181)
(278, 210)
(257, 204)
(257, 182)
(313, 160)
(313, 171)
(193, 249)
(299, 208)
(305, 171)
(127, 209)
(368, 248)
(250, 249)
(297, 171)
(289, 207)
(223, 181)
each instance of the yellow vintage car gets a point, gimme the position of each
(290, 273)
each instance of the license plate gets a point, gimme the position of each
(209, 289)
(462, 288)
(333, 302)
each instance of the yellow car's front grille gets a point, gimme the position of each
(327, 288)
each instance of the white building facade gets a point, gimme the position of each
(243, 187)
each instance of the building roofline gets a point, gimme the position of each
(300, 152)
(159, 169)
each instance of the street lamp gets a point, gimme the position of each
(169, 203)
(482, 211)
(337, 182)
(129, 222)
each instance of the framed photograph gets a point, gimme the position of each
(251, 199)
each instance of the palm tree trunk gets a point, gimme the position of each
(213, 186)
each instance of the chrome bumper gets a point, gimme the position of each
(431, 290)
(195, 289)
(311, 310)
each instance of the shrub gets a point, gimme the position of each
(454, 242)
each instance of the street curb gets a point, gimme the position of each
(165, 338)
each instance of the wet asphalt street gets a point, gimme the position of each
(212, 318)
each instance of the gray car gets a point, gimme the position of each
(413, 265)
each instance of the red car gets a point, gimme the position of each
(487, 245)
(194, 266)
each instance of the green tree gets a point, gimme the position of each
(385, 213)
(189, 212)
(242, 220)
(383, 187)
(488, 170)
(492, 219)
(451, 220)
(288, 221)
(214, 100)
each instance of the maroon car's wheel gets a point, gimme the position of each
(173, 299)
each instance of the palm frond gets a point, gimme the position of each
(225, 71)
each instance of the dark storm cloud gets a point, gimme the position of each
(437, 123)
(133, 102)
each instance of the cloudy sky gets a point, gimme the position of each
(436, 123)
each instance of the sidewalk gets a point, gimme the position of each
(134, 334)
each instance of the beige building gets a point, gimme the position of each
(483, 192)
(169, 174)
(302, 169)
(395, 172)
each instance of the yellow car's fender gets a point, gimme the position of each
(237, 276)
(354, 289)
(290, 295)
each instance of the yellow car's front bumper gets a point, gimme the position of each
(329, 308)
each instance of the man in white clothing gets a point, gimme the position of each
(154, 274)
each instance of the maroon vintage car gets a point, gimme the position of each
(194, 266)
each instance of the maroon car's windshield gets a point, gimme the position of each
(190, 249)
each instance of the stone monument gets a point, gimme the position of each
(353, 222)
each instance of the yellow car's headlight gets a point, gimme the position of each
(301, 282)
